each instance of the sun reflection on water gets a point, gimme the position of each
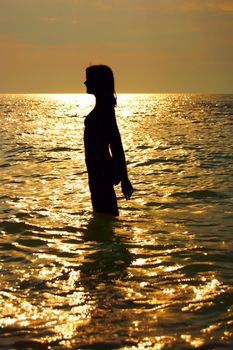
(141, 281)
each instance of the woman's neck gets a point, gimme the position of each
(104, 101)
(99, 102)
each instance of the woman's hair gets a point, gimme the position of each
(103, 80)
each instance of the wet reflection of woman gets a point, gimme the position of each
(104, 153)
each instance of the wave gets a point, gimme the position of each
(22, 227)
(195, 268)
(63, 149)
(200, 194)
(160, 160)
(18, 227)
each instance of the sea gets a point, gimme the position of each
(159, 276)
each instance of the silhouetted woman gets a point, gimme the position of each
(104, 153)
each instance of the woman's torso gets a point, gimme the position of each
(97, 138)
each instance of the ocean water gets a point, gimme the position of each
(160, 276)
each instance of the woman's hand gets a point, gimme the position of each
(127, 188)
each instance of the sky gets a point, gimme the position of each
(153, 46)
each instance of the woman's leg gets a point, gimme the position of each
(103, 197)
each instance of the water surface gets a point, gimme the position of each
(157, 277)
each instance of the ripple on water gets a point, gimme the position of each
(200, 194)
(157, 277)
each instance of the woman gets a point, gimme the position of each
(104, 153)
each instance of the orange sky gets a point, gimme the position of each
(151, 45)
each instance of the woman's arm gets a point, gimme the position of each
(120, 168)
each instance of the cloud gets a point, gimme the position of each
(8, 43)
(157, 6)
(207, 5)
(51, 19)
(176, 6)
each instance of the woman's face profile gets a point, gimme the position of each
(89, 86)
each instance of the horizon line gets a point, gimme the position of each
(118, 93)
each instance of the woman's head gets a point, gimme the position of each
(100, 82)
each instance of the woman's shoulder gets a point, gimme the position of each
(101, 117)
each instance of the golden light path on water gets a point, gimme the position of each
(145, 280)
